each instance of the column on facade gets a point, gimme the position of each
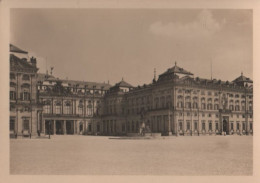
(43, 126)
(64, 127)
(54, 127)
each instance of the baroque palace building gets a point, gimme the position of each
(174, 104)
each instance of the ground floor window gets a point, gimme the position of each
(244, 126)
(203, 126)
(251, 126)
(188, 125)
(89, 127)
(216, 126)
(196, 125)
(12, 124)
(26, 124)
(232, 126)
(210, 125)
(180, 125)
(237, 125)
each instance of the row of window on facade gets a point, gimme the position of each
(210, 115)
(25, 124)
(215, 106)
(211, 93)
(23, 95)
(25, 77)
(210, 125)
(67, 109)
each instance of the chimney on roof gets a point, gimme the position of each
(33, 61)
(241, 73)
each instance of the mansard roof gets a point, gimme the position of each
(242, 79)
(177, 70)
(80, 84)
(17, 64)
(16, 49)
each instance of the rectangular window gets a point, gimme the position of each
(80, 110)
(203, 126)
(26, 96)
(232, 126)
(12, 95)
(210, 125)
(47, 109)
(25, 124)
(251, 126)
(12, 124)
(238, 126)
(196, 125)
(188, 125)
(67, 109)
(58, 109)
(180, 125)
(244, 126)
(89, 127)
(216, 125)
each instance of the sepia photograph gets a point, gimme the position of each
(144, 91)
(131, 92)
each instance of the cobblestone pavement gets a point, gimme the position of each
(97, 155)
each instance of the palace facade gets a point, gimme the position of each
(174, 104)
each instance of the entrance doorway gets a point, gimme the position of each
(69, 127)
(225, 126)
(48, 127)
(59, 127)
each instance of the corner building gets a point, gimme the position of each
(177, 103)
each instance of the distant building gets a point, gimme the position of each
(175, 104)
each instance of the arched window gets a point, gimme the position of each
(90, 110)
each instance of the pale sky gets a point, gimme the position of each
(108, 44)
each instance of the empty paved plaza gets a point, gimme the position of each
(97, 155)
